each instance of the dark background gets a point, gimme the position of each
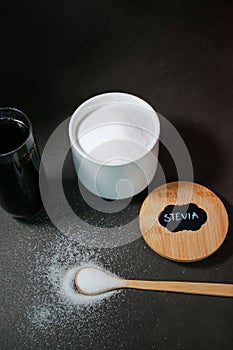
(178, 56)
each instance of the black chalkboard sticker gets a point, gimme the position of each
(182, 217)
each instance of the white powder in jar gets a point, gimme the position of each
(117, 133)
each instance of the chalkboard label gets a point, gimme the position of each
(182, 217)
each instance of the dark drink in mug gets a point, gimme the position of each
(19, 165)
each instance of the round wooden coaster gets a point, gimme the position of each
(183, 221)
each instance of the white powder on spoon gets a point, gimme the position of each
(93, 280)
(69, 291)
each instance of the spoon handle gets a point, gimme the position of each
(218, 289)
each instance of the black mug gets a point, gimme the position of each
(19, 165)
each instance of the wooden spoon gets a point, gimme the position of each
(91, 281)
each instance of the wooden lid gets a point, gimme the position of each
(183, 221)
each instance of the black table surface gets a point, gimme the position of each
(178, 56)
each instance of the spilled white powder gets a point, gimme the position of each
(56, 301)
(94, 280)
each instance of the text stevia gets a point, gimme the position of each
(182, 217)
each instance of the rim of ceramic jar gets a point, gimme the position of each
(97, 99)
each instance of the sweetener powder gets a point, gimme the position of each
(117, 133)
(93, 280)
(56, 301)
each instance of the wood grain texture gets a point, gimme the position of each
(185, 245)
(217, 289)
